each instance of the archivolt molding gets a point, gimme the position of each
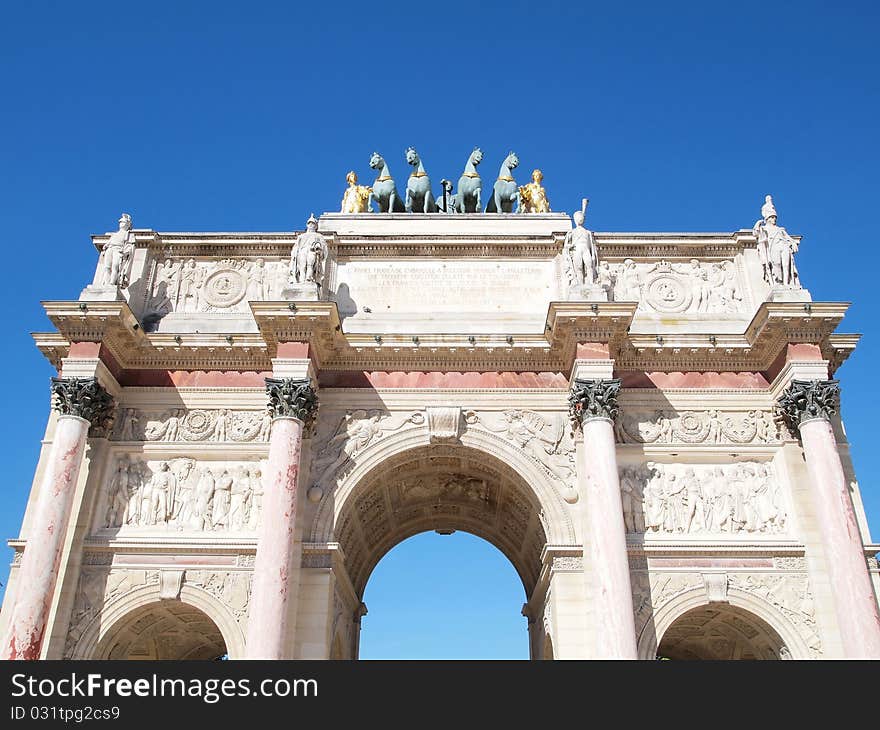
(783, 602)
(337, 494)
(98, 624)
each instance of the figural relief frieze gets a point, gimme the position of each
(696, 427)
(182, 494)
(179, 424)
(735, 499)
(211, 286)
(696, 287)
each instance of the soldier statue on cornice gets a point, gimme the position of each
(307, 260)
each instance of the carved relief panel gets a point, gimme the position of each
(696, 427)
(181, 495)
(180, 424)
(742, 499)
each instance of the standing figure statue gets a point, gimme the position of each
(115, 255)
(505, 192)
(776, 249)
(384, 190)
(470, 186)
(308, 255)
(356, 198)
(533, 197)
(418, 188)
(580, 248)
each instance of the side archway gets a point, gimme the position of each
(708, 630)
(173, 627)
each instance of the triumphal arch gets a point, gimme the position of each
(645, 424)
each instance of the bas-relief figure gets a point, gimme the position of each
(178, 424)
(694, 288)
(692, 427)
(115, 255)
(183, 495)
(505, 192)
(703, 499)
(308, 256)
(532, 197)
(776, 249)
(419, 197)
(356, 198)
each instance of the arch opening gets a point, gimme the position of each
(720, 632)
(444, 596)
(162, 630)
(442, 489)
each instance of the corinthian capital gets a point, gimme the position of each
(83, 397)
(807, 400)
(594, 399)
(292, 397)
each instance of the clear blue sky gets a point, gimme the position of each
(220, 116)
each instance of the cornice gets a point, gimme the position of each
(774, 325)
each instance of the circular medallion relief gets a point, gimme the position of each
(666, 293)
(224, 288)
(197, 425)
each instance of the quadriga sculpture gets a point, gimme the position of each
(467, 197)
(384, 189)
(419, 197)
(505, 192)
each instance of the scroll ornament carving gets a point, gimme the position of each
(177, 424)
(292, 397)
(354, 431)
(179, 494)
(594, 399)
(808, 400)
(791, 595)
(696, 287)
(693, 427)
(681, 499)
(86, 398)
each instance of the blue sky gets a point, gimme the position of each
(220, 116)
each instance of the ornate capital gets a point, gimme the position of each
(86, 398)
(292, 397)
(594, 399)
(807, 400)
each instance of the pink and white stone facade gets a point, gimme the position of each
(447, 354)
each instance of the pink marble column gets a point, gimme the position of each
(594, 402)
(292, 403)
(38, 573)
(807, 406)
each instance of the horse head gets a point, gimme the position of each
(412, 157)
(476, 156)
(511, 161)
(376, 161)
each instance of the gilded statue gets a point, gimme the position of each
(533, 197)
(356, 198)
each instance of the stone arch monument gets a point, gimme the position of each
(243, 425)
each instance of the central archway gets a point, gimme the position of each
(441, 488)
(482, 486)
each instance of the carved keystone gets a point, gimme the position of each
(444, 423)
(716, 587)
(808, 400)
(292, 398)
(591, 399)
